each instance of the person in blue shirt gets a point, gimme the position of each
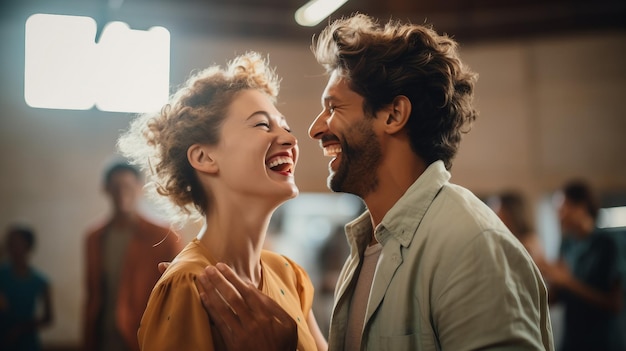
(22, 289)
(586, 279)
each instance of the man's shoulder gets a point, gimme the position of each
(4, 269)
(152, 225)
(456, 206)
(149, 229)
(611, 233)
(457, 217)
(96, 228)
(608, 239)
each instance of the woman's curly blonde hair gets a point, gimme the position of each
(158, 142)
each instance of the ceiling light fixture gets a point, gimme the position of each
(314, 11)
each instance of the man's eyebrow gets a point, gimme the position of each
(328, 98)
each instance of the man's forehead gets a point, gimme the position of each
(336, 87)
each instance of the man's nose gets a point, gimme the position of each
(319, 126)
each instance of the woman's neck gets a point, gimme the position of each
(236, 238)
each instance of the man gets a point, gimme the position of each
(431, 266)
(121, 256)
(23, 288)
(587, 278)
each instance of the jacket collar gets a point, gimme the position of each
(403, 219)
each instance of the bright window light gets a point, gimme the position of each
(127, 71)
(612, 217)
(314, 11)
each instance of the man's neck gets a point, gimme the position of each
(585, 227)
(124, 220)
(394, 179)
(20, 267)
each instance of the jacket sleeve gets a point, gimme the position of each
(495, 294)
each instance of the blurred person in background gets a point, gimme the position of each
(122, 255)
(511, 208)
(22, 290)
(586, 279)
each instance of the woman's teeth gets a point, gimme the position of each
(284, 161)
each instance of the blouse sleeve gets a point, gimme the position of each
(304, 287)
(174, 318)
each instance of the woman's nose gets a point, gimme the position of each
(287, 138)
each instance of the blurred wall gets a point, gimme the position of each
(551, 109)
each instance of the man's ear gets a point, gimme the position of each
(200, 158)
(398, 114)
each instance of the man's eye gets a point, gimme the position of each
(331, 109)
(263, 124)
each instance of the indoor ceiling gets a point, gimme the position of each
(464, 19)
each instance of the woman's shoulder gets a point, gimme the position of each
(284, 268)
(278, 262)
(189, 263)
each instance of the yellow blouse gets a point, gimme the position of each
(175, 320)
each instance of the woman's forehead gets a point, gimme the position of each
(252, 102)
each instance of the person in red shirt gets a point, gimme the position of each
(122, 254)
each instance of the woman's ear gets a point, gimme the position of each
(399, 114)
(200, 159)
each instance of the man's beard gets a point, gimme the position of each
(360, 157)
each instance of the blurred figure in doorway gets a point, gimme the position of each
(586, 279)
(122, 255)
(22, 289)
(511, 207)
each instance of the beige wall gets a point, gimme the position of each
(550, 109)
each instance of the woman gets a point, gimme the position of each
(221, 148)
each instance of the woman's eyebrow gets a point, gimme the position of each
(266, 114)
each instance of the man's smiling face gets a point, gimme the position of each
(346, 134)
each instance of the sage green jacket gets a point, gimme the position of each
(450, 276)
